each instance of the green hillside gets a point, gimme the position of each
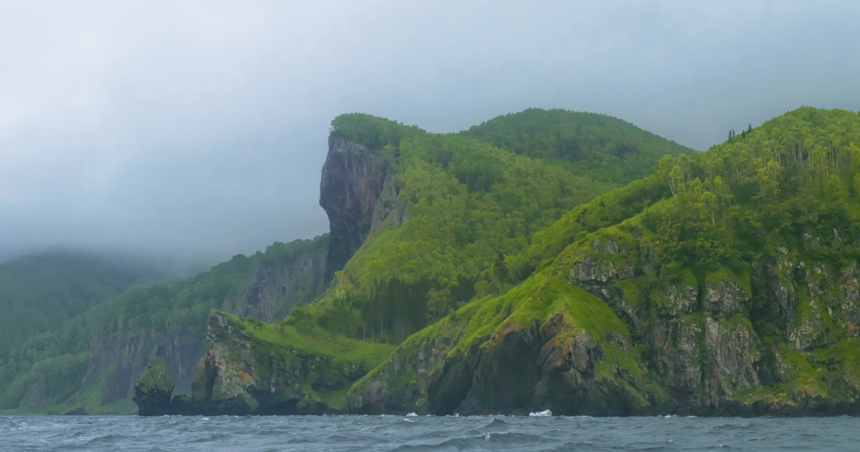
(725, 283)
(470, 206)
(40, 292)
(52, 364)
(598, 147)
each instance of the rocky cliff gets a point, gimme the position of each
(358, 192)
(116, 360)
(241, 374)
(273, 288)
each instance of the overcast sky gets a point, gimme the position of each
(199, 128)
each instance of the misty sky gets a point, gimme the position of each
(199, 128)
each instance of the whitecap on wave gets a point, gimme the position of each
(544, 413)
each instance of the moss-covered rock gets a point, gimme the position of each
(153, 388)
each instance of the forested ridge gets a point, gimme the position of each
(473, 200)
(599, 147)
(726, 282)
(59, 354)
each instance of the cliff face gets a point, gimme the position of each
(116, 360)
(272, 289)
(235, 377)
(358, 192)
(240, 374)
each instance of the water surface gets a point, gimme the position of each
(413, 433)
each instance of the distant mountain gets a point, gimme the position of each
(100, 326)
(39, 292)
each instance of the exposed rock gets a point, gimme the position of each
(724, 296)
(274, 288)
(353, 178)
(35, 394)
(116, 360)
(676, 299)
(153, 388)
(678, 346)
(849, 294)
(733, 352)
(521, 370)
(239, 376)
(598, 268)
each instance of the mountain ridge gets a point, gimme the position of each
(468, 204)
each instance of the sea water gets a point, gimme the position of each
(417, 433)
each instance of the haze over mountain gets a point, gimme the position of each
(200, 128)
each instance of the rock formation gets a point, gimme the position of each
(357, 192)
(153, 388)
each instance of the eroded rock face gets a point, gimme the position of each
(153, 388)
(524, 369)
(724, 296)
(849, 294)
(678, 345)
(116, 360)
(239, 376)
(676, 299)
(733, 354)
(274, 288)
(358, 192)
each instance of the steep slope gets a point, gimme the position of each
(89, 363)
(420, 226)
(726, 283)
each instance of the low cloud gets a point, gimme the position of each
(200, 128)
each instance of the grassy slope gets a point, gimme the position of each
(281, 339)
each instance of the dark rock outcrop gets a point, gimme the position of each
(153, 389)
(548, 367)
